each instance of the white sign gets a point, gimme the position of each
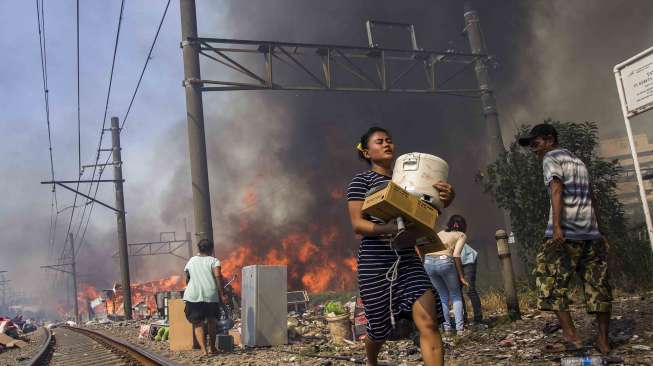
(637, 81)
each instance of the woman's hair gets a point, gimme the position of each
(457, 223)
(205, 246)
(365, 139)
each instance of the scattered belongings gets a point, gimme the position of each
(298, 301)
(10, 342)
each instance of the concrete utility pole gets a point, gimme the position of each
(478, 47)
(490, 113)
(195, 115)
(3, 283)
(120, 216)
(74, 274)
(507, 275)
(190, 244)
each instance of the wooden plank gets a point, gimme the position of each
(6, 340)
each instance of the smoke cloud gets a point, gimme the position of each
(279, 161)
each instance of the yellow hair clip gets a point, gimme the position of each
(359, 147)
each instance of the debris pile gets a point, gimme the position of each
(19, 339)
(496, 342)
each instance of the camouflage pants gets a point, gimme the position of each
(555, 265)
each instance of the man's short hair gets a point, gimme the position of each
(541, 130)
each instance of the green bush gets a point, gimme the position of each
(516, 184)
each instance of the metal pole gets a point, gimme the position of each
(195, 117)
(189, 240)
(493, 127)
(3, 283)
(477, 46)
(74, 273)
(507, 275)
(120, 215)
(190, 244)
(633, 151)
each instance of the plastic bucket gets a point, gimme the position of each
(417, 172)
(340, 328)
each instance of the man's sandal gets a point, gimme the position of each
(562, 346)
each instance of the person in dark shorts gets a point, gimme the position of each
(388, 295)
(203, 293)
(573, 243)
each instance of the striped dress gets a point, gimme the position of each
(375, 259)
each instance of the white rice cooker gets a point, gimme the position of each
(417, 172)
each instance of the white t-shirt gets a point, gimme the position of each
(453, 241)
(201, 287)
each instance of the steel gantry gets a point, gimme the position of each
(360, 69)
(254, 65)
(167, 244)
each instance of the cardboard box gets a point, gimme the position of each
(181, 330)
(393, 201)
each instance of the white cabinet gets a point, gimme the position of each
(264, 304)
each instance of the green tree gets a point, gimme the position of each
(515, 181)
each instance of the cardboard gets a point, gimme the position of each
(236, 336)
(181, 330)
(9, 342)
(393, 201)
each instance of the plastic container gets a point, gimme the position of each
(417, 172)
(582, 361)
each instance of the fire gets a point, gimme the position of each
(250, 197)
(314, 261)
(318, 258)
(352, 263)
(318, 278)
(112, 301)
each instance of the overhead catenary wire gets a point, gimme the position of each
(79, 121)
(122, 124)
(106, 107)
(54, 204)
(147, 60)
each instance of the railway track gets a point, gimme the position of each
(72, 346)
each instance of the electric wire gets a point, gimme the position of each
(104, 118)
(124, 120)
(54, 204)
(147, 60)
(79, 123)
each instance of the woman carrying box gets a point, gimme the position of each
(392, 283)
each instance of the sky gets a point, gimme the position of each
(288, 150)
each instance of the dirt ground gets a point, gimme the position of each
(522, 342)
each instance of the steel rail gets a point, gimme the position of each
(40, 356)
(139, 355)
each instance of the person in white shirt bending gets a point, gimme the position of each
(446, 271)
(203, 293)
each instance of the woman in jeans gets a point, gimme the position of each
(446, 271)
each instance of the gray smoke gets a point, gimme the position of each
(275, 157)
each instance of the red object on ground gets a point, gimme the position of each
(360, 320)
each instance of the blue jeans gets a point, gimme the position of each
(443, 274)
